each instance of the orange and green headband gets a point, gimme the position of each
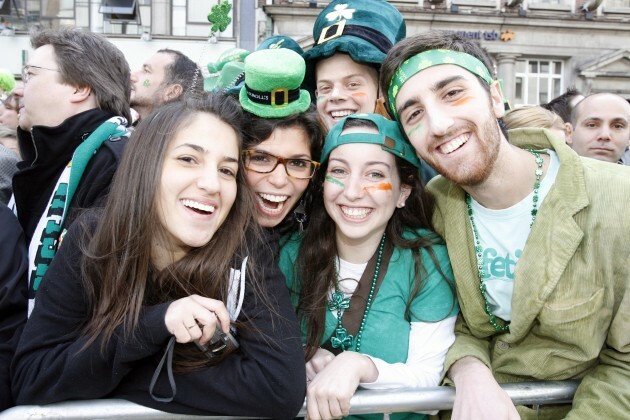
(430, 58)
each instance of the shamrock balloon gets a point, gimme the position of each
(218, 16)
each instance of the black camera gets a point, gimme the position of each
(219, 346)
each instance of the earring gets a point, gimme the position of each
(300, 215)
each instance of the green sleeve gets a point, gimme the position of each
(437, 300)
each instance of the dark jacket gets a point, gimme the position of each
(265, 377)
(46, 152)
(13, 287)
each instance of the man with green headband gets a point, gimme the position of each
(541, 268)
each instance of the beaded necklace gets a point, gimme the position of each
(479, 250)
(341, 338)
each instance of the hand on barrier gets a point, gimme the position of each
(477, 393)
(318, 362)
(329, 393)
(196, 318)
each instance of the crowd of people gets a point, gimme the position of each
(369, 214)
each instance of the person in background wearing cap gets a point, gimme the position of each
(284, 137)
(351, 38)
(369, 270)
(540, 265)
(164, 77)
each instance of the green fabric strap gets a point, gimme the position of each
(85, 152)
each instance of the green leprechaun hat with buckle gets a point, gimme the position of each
(364, 29)
(272, 84)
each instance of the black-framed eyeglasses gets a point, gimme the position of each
(265, 163)
(26, 75)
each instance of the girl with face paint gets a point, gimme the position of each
(369, 270)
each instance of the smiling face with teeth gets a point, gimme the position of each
(362, 189)
(198, 184)
(276, 192)
(344, 87)
(451, 120)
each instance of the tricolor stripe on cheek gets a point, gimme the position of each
(383, 186)
(462, 101)
(334, 181)
(420, 126)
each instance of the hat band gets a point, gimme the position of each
(368, 34)
(276, 98)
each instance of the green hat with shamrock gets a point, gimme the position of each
(364, 29)
(280, 41)
(272, 84)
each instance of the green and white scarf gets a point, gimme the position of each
(50, 228)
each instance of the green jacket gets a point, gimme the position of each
(571, 306)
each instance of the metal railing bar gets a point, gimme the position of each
(363, 402)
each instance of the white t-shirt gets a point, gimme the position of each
(502, 235)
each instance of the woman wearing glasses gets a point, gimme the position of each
(283, 137)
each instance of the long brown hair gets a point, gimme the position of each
(316, 268)
(116, 267)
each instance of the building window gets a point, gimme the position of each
(537, 81)
(558, 5)
(617, 4)
(57, 9)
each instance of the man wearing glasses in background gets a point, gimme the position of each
(71, 133)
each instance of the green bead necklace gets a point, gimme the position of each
(341, 338)
(479, 250)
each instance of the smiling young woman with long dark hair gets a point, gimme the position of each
(174, 256)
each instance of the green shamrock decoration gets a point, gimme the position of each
(218, 16)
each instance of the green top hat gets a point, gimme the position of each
(280, 41)
(272, 84)
(233, 54)
(389, 137)
(364, 29)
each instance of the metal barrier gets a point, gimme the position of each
(363, 402)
